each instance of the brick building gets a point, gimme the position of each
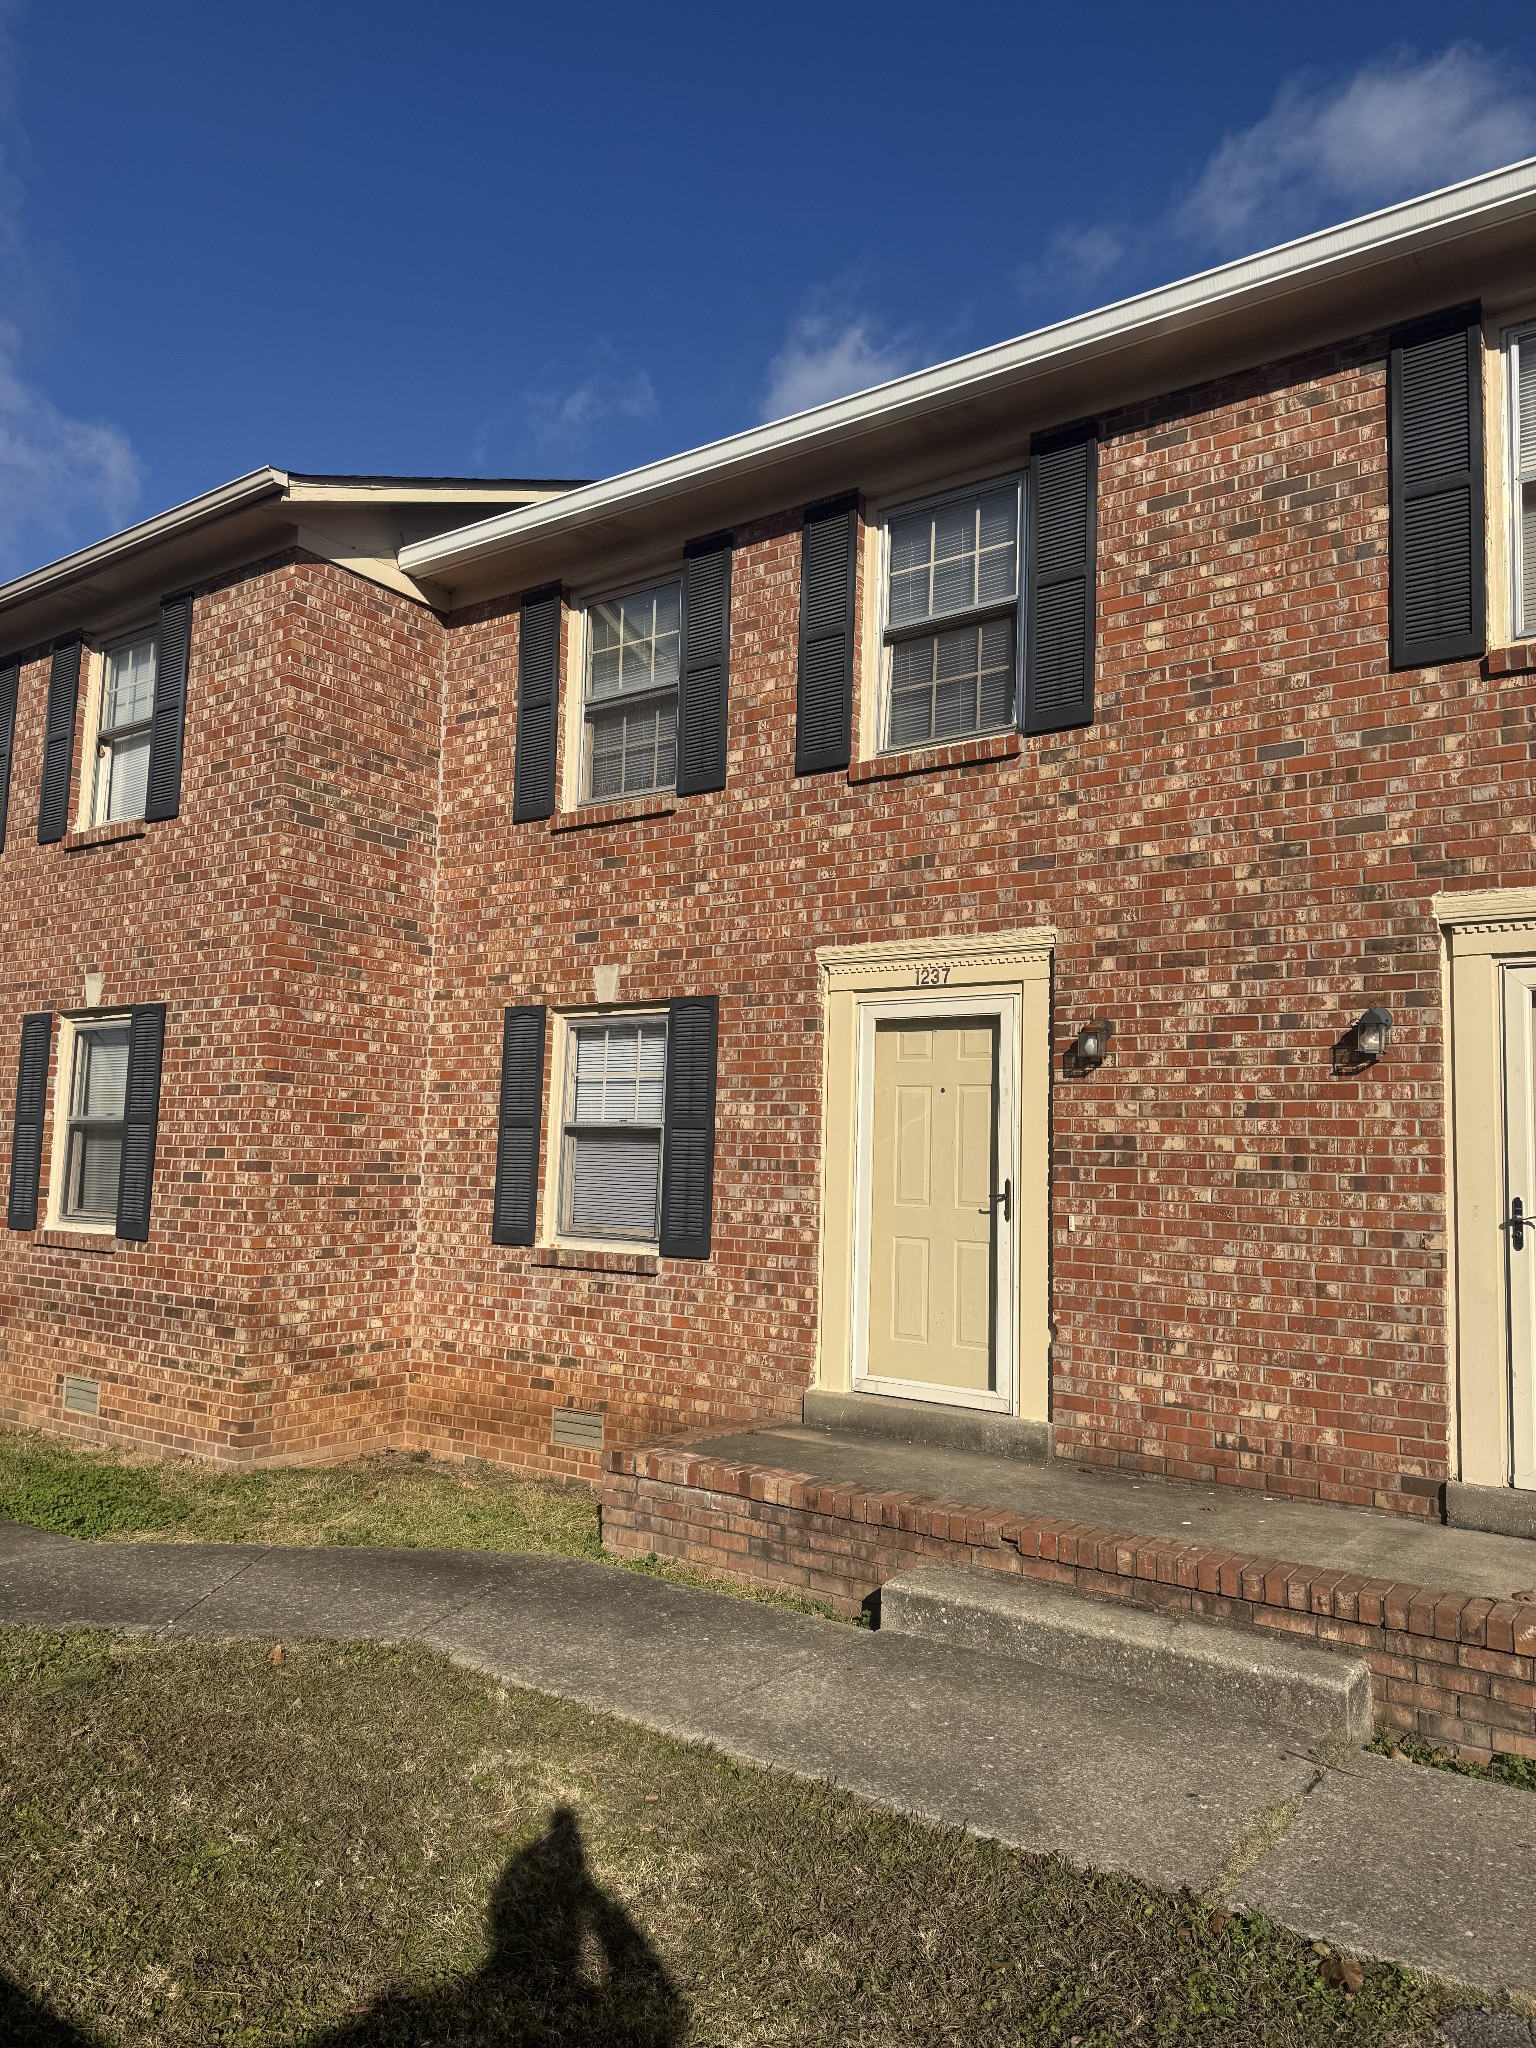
(901, 902)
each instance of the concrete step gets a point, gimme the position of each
(1313, 1694)
(888, 1420)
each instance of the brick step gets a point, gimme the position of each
(1315, 1695)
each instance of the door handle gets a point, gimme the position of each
(1517, 1225)
(1005, 1196)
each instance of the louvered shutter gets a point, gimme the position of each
(688, 1141)
(824, 706)
(1435, 462)
(538, 694)
(703, 691)
(59, 742)
(514, 1213)
(1062, 554)
(163, 794)
(27, 1130)
(141, 1119)
(10, 676)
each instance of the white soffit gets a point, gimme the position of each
(1332, 267)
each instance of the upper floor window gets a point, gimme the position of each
(125, 710)
(1522, 439)
(98, 1089)
(951, 624)
(615, 1106)
(629, 701)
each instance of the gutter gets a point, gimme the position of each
(245, 490)
(1415, 225)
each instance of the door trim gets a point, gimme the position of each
(1015, 964)
(1004, 1008)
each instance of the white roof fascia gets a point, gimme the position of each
(245, 490)
(1446, 215)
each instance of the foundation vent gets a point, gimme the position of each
(577, 1430)
(81, 1397)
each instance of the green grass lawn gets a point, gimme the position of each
(364, 1846)
(397, 1499)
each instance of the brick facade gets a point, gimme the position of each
(1249, 1261)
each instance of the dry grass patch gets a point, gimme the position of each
(355, 1845)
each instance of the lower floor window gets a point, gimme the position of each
(615, 1088)
(97, 1096)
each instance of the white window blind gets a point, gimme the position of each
(122, 732)
(951, 623)
(97, 1097)
(615, 1095)
(633, 649)
(1523, 379)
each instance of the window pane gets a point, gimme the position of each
(954, 557)
(101, 1071)
(634, 642)
(1528, 552)
(91, 1183)
(1525, 379)
(126, 768)
(620, 1072)
(128, 696)
(946, 685)
(633, 752)
(615, 1179)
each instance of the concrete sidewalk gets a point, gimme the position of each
(1418, 1867)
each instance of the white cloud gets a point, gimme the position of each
(826, 357)
(1401, 125)
(61, 479)
(569, 418)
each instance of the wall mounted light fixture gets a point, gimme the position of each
(1091, 1044)
(1373, 1030)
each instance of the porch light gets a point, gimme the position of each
(1372, 1032)
(1092, 1043)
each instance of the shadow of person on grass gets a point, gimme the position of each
(568, 1968)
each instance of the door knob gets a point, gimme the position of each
(1517, 1224)
(1005, 1196)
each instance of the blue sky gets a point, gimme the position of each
(505, 240)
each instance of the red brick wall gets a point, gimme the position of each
(283, 919)
(1239, 855)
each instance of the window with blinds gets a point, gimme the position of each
(123, 720)
(951, 627)
(1522, 393)
(634, 643)
(615, 1096)
(98, 1092)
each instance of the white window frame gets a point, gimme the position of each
(581, 794)
(95, 782)
(1522, 603)
(558, 1185)
(887, 636)
(72, 1030)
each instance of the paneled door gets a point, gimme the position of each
(938, 1192)
(1519, 1201)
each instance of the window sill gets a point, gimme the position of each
(77, 1240)
(1510, 661)
(104, 835)
(995, 746)
(622, 813)
(579, 1259)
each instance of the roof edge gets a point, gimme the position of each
(1444, 215)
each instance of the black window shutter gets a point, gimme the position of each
(1062, 554)
(141, 1119)
(163, 796)
(538, 696)
(27, 1130)
(703, 690)
(1435, 464)
(824, 708)
(688, 1142)
(514, 1214)
(10, 676)
(59, 742)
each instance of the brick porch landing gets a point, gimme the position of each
(1433, 1610)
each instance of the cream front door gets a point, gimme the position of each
(939, 1204)
(1519, 1232)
